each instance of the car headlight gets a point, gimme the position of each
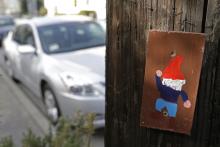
(79, 86)
(84, 90)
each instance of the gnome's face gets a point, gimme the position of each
(174, 84)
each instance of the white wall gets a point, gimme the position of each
(50, 5)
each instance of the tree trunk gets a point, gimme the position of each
(128, 22)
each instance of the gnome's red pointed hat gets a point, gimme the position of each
(173, 70)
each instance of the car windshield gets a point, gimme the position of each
(6, 22)
(70, 36)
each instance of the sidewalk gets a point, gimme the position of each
(15, 115)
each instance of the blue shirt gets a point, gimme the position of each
(168, 93)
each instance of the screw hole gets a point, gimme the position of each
(173, 53)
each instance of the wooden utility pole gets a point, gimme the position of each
(128, 22)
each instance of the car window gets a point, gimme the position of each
(6, 21)
(17, 34)
(23, 35)
(28, 36)
(70, 36)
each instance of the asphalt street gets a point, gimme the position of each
(15, 119)
(21, 110)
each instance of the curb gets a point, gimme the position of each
(35, 114)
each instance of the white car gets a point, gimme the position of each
(62, 61)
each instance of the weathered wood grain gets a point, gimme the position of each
(128, 22)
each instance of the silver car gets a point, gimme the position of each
(61, 60)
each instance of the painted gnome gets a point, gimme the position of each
(170, 88)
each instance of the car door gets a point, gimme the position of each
(30, 61)
(12, 54)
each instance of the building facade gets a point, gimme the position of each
(10, 7)
(75, 6)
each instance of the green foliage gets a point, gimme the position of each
(23, 5)
(6, 142)
(31, 140)
(40, 3)
(69, 133)
(89, 13)
(74, 133)
(40, 7)
(42, 11)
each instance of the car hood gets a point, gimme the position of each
(86, 62)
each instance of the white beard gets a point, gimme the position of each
(174, 84)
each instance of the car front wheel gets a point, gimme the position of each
(51, 104)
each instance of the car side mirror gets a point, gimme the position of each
(26, 49)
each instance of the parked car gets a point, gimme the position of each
(102, 23)
(6, 24)
(61, 60)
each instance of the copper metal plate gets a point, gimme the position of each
(156, 111)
